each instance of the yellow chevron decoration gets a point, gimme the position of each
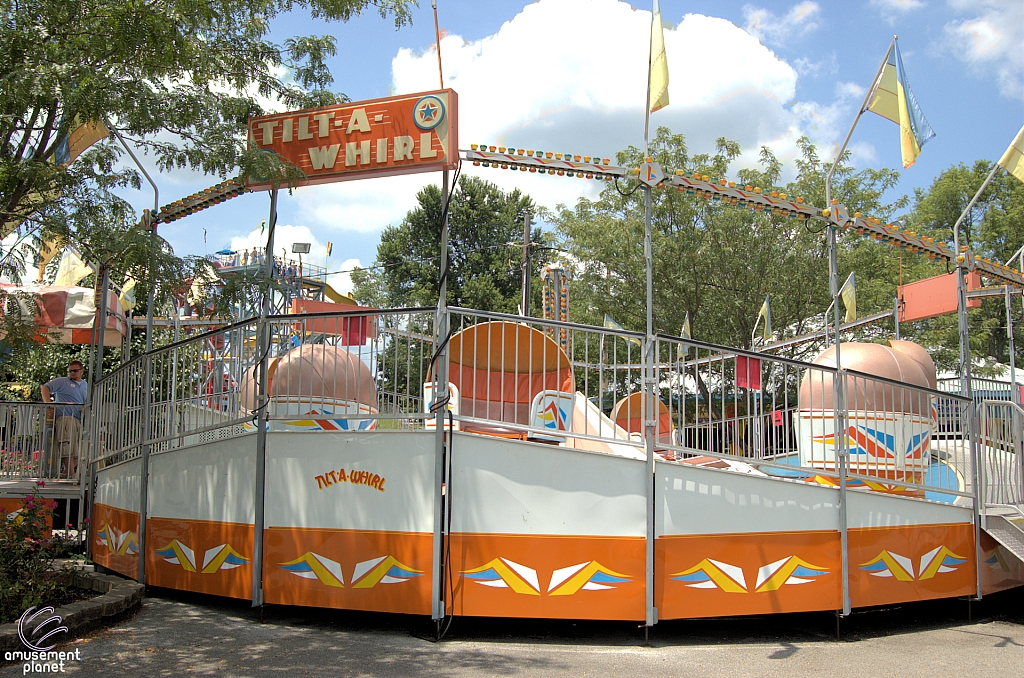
(713, 574)
(118, 543)
(790, 570)
(591, 576)
(938, 560)
(383, 570)
(502, 573)
(888, 564)
(315, 566)
(222, 557)
(177, 553)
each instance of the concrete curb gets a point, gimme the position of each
(120, 598)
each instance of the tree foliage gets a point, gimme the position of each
(178, 78)
(715, 261)
(485, 231)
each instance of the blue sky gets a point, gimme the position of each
(570, 75)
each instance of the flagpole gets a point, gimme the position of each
(649, 378)
(839, 387)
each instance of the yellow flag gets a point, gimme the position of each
(1013, 160)
(766, 313)
(658, 76)
(682, 352)
(47, 252)
(127, 296)
(71, 270)
(849, 296)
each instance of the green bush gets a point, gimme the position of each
(27, 573)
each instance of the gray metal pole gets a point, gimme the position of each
(441, 324)
(151, 225)
(896, 316)
(965, 376)
(147, 422)
(1010, 345)
(526, 265)
(650, 416)
(839, 414)
(263, 403)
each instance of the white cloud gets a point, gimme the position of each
(801, 18)
(901, 6)
(513, 93)
(990, 41)
(814, 69)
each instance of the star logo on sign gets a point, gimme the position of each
(428, 111)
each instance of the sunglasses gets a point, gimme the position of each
(79, 369)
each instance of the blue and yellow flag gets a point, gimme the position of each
(612, 325)
(893, 100)
(330, 246)
(78, 140)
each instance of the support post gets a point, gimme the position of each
(839, 406)
(1015, 422)
(526, 266)
(966, 388)
(263, 405)
(896, 317)
(441, 323)
(650, 411)
(147, 423)
(150, 223)
(839, 414)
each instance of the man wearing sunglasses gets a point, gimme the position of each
(71, 391)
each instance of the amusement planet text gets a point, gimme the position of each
(43, 662)
(353, 477)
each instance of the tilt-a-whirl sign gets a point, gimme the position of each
(379, 137)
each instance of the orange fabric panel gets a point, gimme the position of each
(115, 539)
(547, 576)
(204, 540)
(900, 564)
(691, 578)
(1000, 569)
(381, 571)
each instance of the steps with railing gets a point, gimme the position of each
(1002, 523)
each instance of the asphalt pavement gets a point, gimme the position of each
(186, 635)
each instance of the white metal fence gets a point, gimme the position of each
(41, 440)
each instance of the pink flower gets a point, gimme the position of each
(40, 483)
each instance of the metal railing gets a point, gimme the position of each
(41, 440)
(370, 370)
(519, 377)
(779, 413)
(340, 371)
(1002, 461)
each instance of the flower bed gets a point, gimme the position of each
(28, 576)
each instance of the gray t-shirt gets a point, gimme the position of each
(64, 390)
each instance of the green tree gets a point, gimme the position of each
(485, 235)
(194, 69)
(715, 260)
(994, 228)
